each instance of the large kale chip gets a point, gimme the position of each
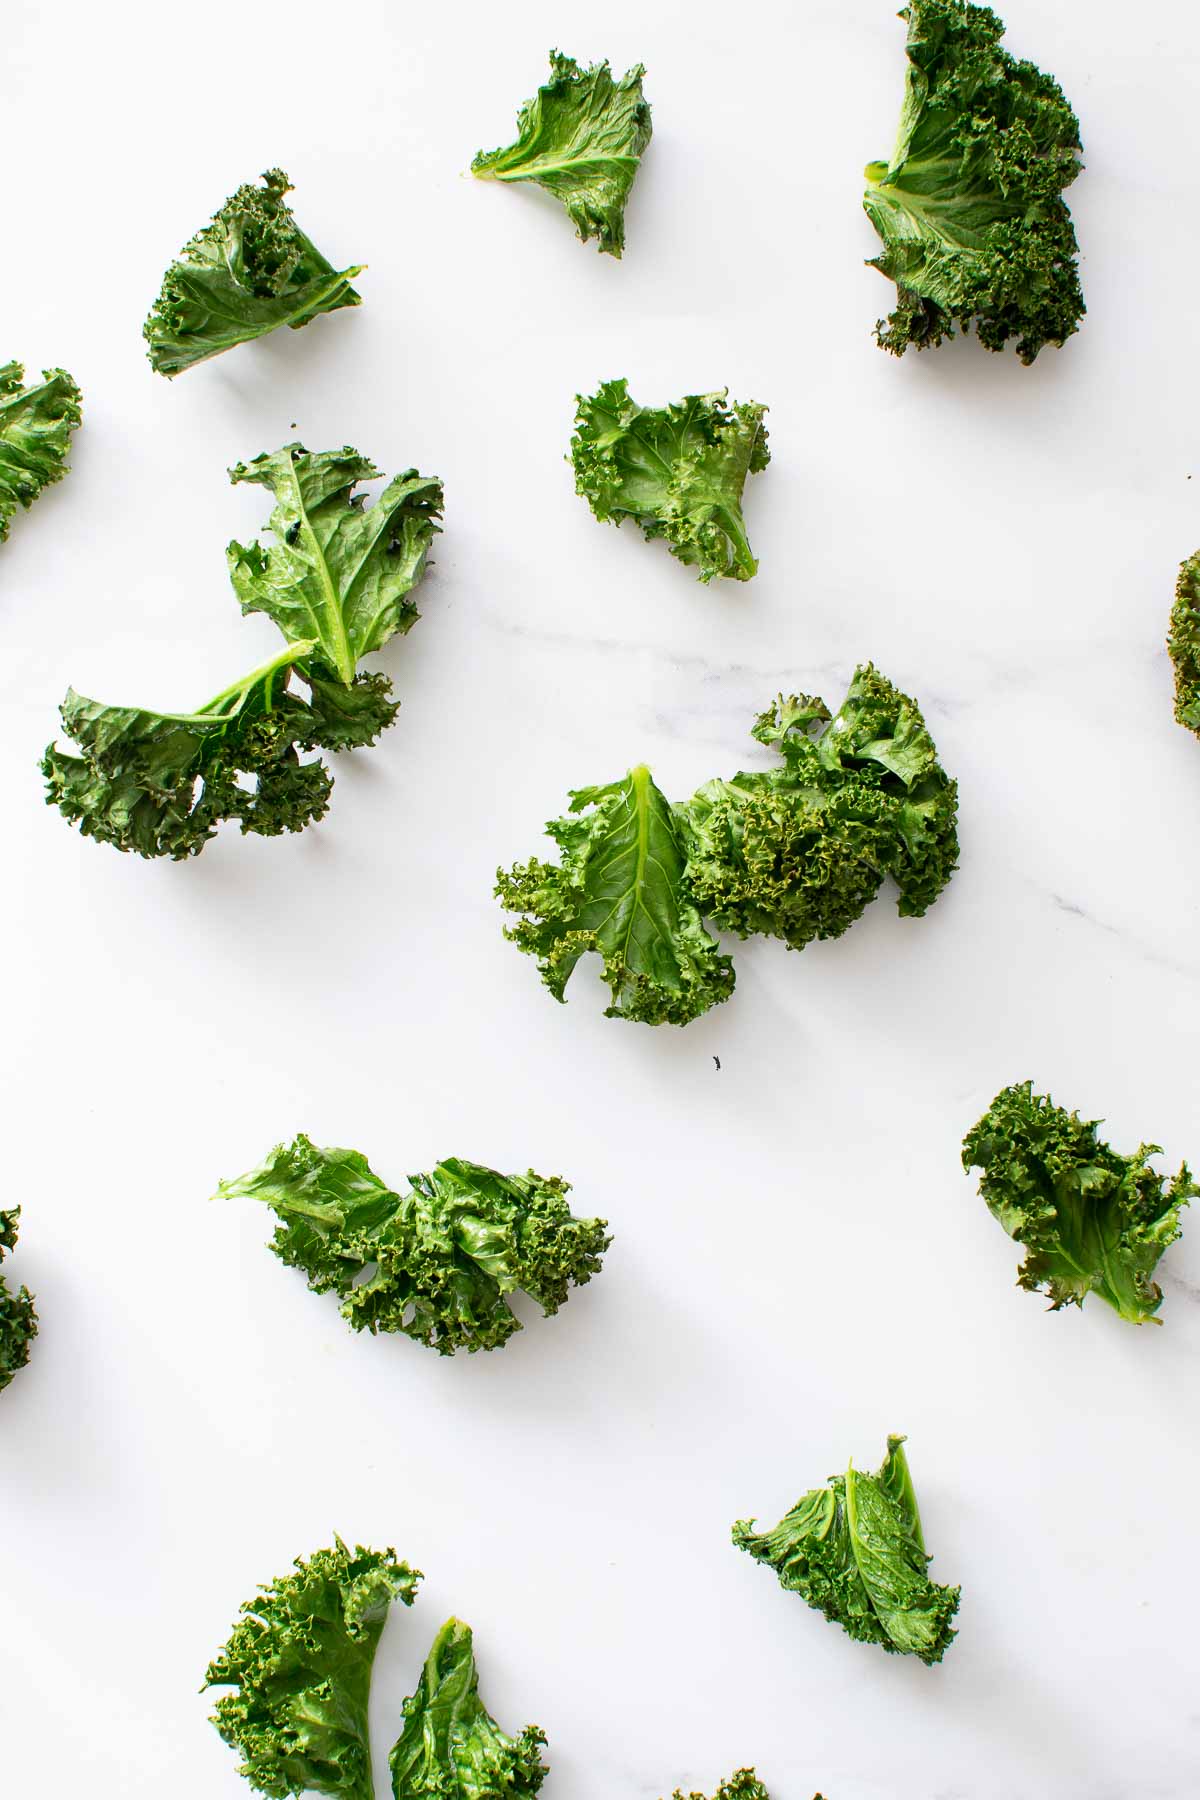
(855, 1551)
(581, 138)
(970, 207)
(299, 1665)
(337, 582)
(438, 1262)
(249, 271)
(1091, 1221)
(794, 852)
(678, 471)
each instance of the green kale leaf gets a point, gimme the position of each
(338, 573)
(581, 138)
(799, 851)
(678, 471)
(299, 1663)
(619, 890)
(743, 1784)
(854, 1549)
(159, 784)
(1183, 642)
(451, 1748)
(35, 434)
(246, 273)
(970, 208)
(18, 1320)
(1091, 1221)
(436, 1263)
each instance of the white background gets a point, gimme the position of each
(799, 1264)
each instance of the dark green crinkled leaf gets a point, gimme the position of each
(1091, 1220)
(437, 1262)
(338, 572)
(970, 208)
(1183, 642)
(854, 1550)
(799, 851)
(677, 470)
(160, 783)
(18, 1319)
(743, 1784)
(581, 137)
(35, 435)
(299, 1662)
(246, 273)
(451, 1748)
(619, 890)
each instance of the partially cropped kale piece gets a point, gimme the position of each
(18, 1319)
(581, 137)
(619, 889)
(970, 207)
(798, 851)
(35, 434)
(337, 582)
(854, 1550)
(1091, 1220)
(437, 1262)
(743, 1784)
(451, 1748)
(246, 273)
(1183, 642)
(678, 471)
(299, 1663)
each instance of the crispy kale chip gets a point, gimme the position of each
(970, 208)
(18, 1320)
(299, 1662)
(854, 1550)
(581, 138)
(1090, 1220)
(619, 889)
(436, 1263)
(678, 471)
(337, 583)
(743, 1784)
(35, 434)
(246, 273)
(451, 1748)
(1183, 642)
(798, 851)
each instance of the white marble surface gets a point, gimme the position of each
(799, 1264)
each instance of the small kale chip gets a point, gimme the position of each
(338, 577)
(970, 208)
(35, 434)
(743, 1784)
(436, 1263)
(581, 138)
(1090, 1220)
(299, 1663)
(799, 851)
(247, 273)
(854, 1550)
(451, 1748)
(1183, 642)
(619, 890)
(18, 1320)
(678, 471)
